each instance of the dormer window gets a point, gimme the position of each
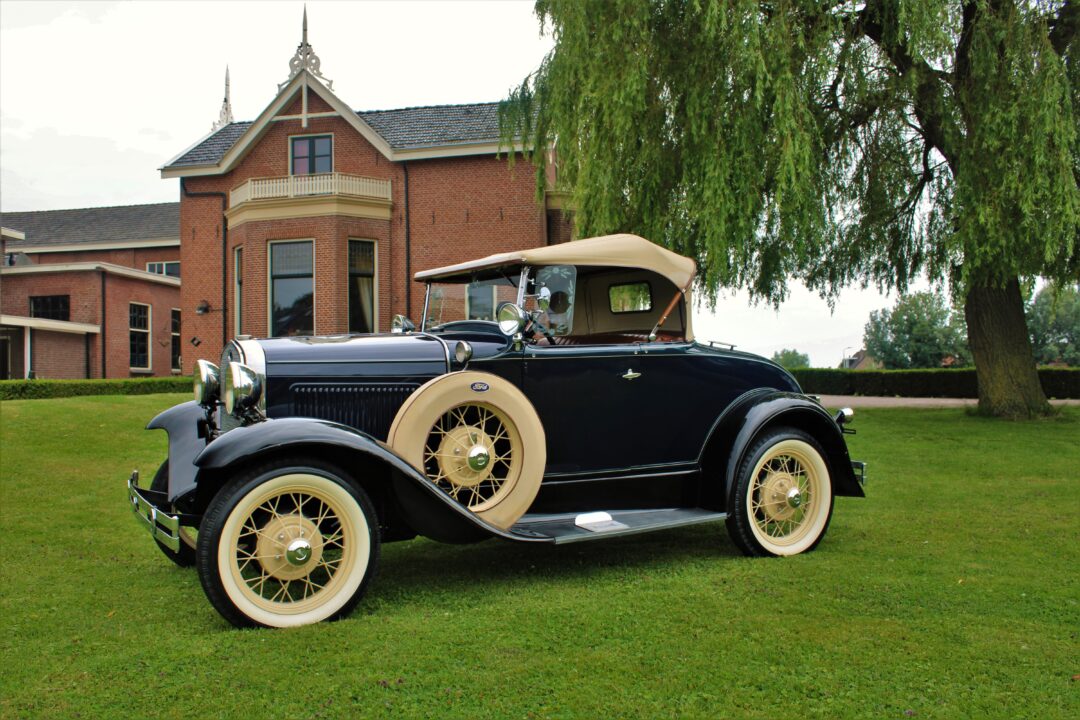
(312, 154)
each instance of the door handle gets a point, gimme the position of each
(630, 375)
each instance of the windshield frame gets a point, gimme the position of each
(520, 285)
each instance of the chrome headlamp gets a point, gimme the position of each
(242, 388)
(462, 353)
(207, 382)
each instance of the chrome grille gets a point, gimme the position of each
(369, 408)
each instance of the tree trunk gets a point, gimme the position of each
(1004, 365)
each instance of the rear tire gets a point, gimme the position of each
(292, 542)
(186, 555)
(782, 500)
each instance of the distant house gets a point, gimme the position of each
(90, 293)
(860, 361)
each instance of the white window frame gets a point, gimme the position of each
(163, 264)
(270, 285)
(333, 152)
(375, 275)
(176, 370)
(238, 289)
(149, 340)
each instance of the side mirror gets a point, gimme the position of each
(511, 319)
(543, 299)
(402, 324)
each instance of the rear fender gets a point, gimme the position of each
(736, 430)
(426, 509)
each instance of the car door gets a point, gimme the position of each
(611, 408)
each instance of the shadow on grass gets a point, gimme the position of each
(426, 565)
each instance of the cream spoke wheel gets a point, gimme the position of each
(782, 499)
(471, 454)
(477, 438)
(288, 546)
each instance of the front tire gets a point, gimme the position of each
(289, 543)
(185, 557)
(782, 499)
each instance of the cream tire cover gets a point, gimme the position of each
(414, 423)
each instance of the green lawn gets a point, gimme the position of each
(950, 591)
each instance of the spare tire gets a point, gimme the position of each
(478, 438)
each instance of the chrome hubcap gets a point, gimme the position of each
(298, 552)
(478, 458)
(794, 497)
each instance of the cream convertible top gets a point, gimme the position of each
(627, 251)
(619, 251)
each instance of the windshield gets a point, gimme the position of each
(479, 300)
(451, 302)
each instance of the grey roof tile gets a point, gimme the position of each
(405, 128)
(435, 125)
(214, 147)
(91, 225)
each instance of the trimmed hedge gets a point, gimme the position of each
(962, 383)
(41, 389)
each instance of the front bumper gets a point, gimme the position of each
(163, 527)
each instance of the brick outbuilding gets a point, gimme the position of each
(91, 293)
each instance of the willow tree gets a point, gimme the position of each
(850, 142)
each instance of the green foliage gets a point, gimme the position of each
(791, 359)
(1061, 383)
(837, 142)
(950, 591)
(920, 331)
(1053, 318)
(40, 389)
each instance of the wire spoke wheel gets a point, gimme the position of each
(473, 453)
(477, 438)
(783, 496)
(295, 547)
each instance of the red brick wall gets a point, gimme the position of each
(133, 258)
(57, 357)
(460, 208)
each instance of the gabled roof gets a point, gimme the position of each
(101, 226)
(406, 133)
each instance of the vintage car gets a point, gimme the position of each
(551, 395)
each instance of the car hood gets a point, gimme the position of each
(347, 349)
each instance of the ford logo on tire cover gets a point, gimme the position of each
(480, 387)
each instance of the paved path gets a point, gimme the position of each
(869, 401)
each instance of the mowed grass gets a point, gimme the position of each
(950, 591)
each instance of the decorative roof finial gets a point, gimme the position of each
(225, 117)
(305, 59)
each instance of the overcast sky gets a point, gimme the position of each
(96, 96)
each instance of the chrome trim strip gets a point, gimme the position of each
(445, 347)
(349, 362)
(162, 527)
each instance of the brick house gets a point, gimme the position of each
(312, 218)
(91, 293)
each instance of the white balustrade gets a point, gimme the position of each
(292, 186)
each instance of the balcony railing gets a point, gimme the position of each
(299, 186)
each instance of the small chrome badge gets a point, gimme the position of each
(480, 387)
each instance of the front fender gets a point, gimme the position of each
(187, 429)
(744, 421)
(427, 510)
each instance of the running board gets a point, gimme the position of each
(581, 527)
